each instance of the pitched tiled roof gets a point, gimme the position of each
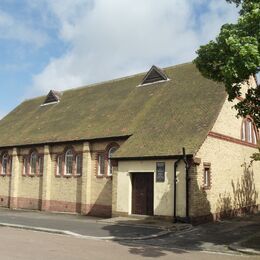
(160, 118)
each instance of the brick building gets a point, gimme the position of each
(116, 148)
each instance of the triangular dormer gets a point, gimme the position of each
(52, 98)
(154, 75)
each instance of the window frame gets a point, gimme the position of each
(109, 160)
(5, 157)
(66, 174)
(10, 162)
(248, 131)
(78, 173)
(36, 156)
(59, 165)
(207, 176)
(40, 165)
(101, 168)
(25, 166)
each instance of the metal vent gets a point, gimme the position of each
(155, 74)
(52, 97)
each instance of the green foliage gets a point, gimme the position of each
(234, 56)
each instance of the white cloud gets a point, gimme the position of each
(14, 29)
(112, 38)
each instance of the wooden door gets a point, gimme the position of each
(142, 193)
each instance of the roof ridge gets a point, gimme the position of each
(107, 81)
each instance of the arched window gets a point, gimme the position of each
(59, 165)
(4, 164)
(248, 132)
(79, 165)
(33, 163)
(69, 162)
(41, 165)
(110, 166)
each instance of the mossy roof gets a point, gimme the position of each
(159, 119)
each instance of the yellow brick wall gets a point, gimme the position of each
(101, 188)
(163, 191)
(29, 187)
(64, 188)
(230, 184)
(5, 181)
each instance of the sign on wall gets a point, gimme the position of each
(160, 171)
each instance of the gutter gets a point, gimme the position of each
(187, 167)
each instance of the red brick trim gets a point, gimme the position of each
(56, 206)
(231, 139)
(254, 209)
(5, 201)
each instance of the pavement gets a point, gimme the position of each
(85, 226)
(232, 236)
(249, 245)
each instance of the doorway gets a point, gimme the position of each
(142, 193)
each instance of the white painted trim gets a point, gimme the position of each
(152, 83)
(51, 103)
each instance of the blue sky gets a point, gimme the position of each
(47, 44)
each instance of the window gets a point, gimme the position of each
(33, 163)
(69, 163)
(207, 176)
(10, 165)
(25, 166)
(248, 132)
(101, 165)
(110, 161)
(59, 166)
(79, 165)
(41, 165)
(4, 164)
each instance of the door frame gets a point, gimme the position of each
(131, 173)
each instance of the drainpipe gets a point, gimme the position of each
(187, 185)
(174, 189)
(184, 159)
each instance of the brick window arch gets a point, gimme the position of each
(4, 164)
(248, 131)
(111, 149)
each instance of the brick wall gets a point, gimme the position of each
(86, 194)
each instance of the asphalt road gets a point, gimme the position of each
(83, 225)
(29, 245)
(210, 237)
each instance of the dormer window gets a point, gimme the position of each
(154, 75)
(248, 132)
(52, 98)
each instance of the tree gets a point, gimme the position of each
(234, 57)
